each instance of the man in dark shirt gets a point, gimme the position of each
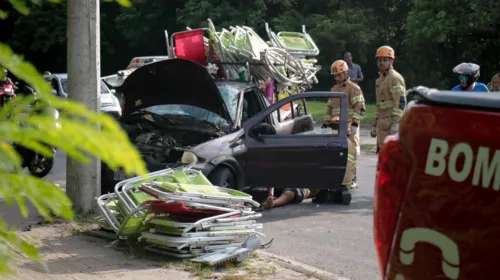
(354, 69)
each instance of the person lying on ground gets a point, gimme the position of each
(292, 195)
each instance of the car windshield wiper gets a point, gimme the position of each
(197, 119)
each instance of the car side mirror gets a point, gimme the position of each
(261, 129)
(113, 91)
(255, 133)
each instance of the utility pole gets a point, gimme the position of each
(83, 182)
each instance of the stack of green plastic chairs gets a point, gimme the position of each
(178, 212)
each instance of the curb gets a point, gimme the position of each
(301, 267)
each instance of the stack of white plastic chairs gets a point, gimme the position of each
(178, 212)
(284, 59)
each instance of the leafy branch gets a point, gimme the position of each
(79, 132)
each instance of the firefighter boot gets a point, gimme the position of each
(354, 184)
(345, 195)
(322, 197)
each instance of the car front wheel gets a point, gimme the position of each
(223, 177)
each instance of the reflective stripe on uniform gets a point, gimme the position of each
(357, 99)
(355, 115)
(398, 89)
(397, 112)
(352, 159)
(385, 105)
(351, 113)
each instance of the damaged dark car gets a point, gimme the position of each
(177, 114)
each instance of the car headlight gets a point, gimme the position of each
(189, 157)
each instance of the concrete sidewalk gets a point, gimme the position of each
(78, 256)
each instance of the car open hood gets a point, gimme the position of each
(173, 81)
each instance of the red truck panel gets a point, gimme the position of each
(449, 226)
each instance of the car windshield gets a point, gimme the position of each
(64, 84)
(187, 110)
(230, 95)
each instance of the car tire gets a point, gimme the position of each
(44, 172)
(223, 177)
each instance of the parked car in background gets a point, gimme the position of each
(176, 114)
(109, 102)
(117, 79)
(140, 61)
(436, 210)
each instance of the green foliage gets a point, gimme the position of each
(29, 38)
(430, 37)
(317, 109)
(222, 12)
(22, 6)
(80, 133)
(442, 34)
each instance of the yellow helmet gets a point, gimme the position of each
(386, 51)
(339, 66)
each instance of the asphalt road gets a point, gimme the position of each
(335, 238)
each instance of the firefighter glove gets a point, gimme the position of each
(354, 128)
(326, 121)
(394, 128)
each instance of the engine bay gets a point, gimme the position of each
(164, 140)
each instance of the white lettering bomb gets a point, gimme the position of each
(483, 168)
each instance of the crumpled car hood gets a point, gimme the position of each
(173, 81)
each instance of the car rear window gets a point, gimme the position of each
(64, 84)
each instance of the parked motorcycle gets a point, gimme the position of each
(38, 164)
(6, 93)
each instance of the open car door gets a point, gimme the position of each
(303, 155)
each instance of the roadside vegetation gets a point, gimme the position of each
(318, 109)
(82, 134)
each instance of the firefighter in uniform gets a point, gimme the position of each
(390, 96)
(356, 110)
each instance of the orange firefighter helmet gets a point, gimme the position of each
(386, 51)
(339, 66)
